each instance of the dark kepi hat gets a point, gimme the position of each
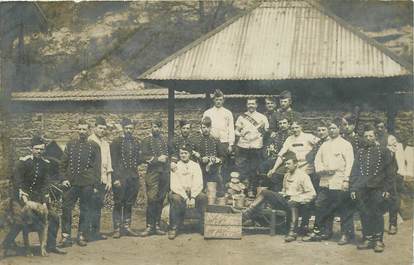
(157, 122)
(186, 147)
(37, 140)
(206, 121)
(183, 122)
(285, 94)
(125, 122)
(100, 121)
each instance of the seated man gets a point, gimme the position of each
(297, 191)
(186, 185)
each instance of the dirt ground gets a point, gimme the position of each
(193, 249)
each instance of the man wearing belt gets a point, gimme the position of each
(222, 128)
(106, 182)
(81, 170)
(370, 185)
(155, 153)
(125, 152)
(333, 163)
(250, 128)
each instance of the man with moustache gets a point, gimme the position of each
(183, 138)
(370, 185)
(105, 184)
(125, 152)
(285, 110)
(155, 154)
(81, 170)
(250, 128)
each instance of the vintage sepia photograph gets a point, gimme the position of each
(233, 132)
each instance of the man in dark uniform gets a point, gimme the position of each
(271, 149)
(381, 132)
(348, 131)
(155, 153)
(270, 105)
(183, 138)
(370, 184)
(81, 170)
(207, 151)
(31, 182)
(125, 153)
(285, 110)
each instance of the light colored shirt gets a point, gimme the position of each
(301, 145)
(409, 163)
(250, 137)
(298, 186)
(187, 176)
(335, 155)
(396, 148)
(222, 124)
(106, 162)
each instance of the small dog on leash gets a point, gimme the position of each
(29, 217)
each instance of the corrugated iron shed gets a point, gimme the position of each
(279, 40)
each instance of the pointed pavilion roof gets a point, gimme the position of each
(280, 40)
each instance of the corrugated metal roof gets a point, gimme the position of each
(104, 95)
(285, 39)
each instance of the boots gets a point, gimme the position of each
(392, 230)
(127, 231)
(66, 241)
(344, 240)
(367, 243)
(82, 240)
(379, 246)
(150, 230)
(158, 230)
(172, 233)
(117, 233)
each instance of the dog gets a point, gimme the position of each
(29, 216)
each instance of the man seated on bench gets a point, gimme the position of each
(186, 185)
(297, 191)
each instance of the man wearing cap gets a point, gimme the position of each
(333, 163)
(348, 132)
(285, 110)
(155, 153)
(370, 185)
(186, 190)
(106, 178)
(207, 151)
(81, 170)
(125, 152)
(296, 193)
(270, 106)
(183, 138)
(222, 128)
(250, 128)
(271, 149)
(31, 183)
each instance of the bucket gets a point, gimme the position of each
(239, 200)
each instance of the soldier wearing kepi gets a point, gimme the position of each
(183, 138)
(125, 152)
(155, 153)
(370, 184)
(285, 110)
(207, 151)
(106, 175)
(31, 182)
(81, 170)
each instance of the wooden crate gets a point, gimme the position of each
(221, 223)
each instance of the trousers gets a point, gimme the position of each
(247, 161)
(124, 199)
(157, 184)
(178, 207)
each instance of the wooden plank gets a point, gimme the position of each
(222, 225)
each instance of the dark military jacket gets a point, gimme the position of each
(32, 175)
(152, 148)
(355, 141)
(278, 115)
(207, 146)
(277, 143)
(126, 156)
(81, 163)
(372, 169)
(179, 140)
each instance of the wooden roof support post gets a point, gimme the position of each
(171, 108)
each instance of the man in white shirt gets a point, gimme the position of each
(222, 128)
(186, 185)
(333, 163)
(106, 175)
(250, 128)
(296, 194)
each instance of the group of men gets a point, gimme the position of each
(326, 175)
